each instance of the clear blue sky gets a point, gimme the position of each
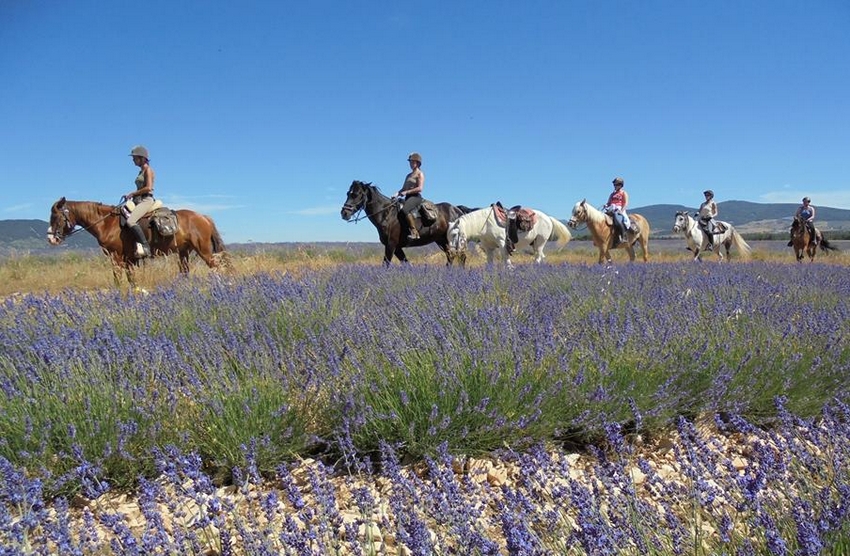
(261, 114)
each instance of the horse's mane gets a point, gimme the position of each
(593, 213)
(473, 222)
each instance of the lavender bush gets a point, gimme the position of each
(240, 412)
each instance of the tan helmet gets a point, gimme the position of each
(618, 181)
(806, 200)
(708, 193)
(139, 150)
(415, 157)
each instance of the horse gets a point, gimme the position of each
(601, 228)
(384, 214)
(482, 226)
(698, 240)
(195, 232)
(803, 242)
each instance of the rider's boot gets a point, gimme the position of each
(413, 233)
(141, 240)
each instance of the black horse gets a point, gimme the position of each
(383, 212)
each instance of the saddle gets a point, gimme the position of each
(161, 219)
(515, 219)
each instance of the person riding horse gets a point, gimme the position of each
(707, 213)
(806, 212)
(142, 196)
(414, 183)
(618, 200)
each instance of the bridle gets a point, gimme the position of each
(62, 234)
(361, 207)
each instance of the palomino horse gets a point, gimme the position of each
(803, 242)
(483, 227)
(698, 240)
(602, 229)
(383, 212)
(195, 232)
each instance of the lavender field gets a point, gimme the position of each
(559, 409)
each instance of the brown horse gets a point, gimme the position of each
(602, 230)
(383, 212)
(804, 243)
(195, 232)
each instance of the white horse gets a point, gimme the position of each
(482, 227)
(698, 240)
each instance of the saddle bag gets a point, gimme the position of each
(164, 222)
(428, 212)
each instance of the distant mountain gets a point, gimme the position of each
(31, 236)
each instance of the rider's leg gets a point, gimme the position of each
(133, 225)
(410, 205)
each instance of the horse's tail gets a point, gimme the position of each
(827, 246)
(219, 251)
(740, 244)
(215, 237)
(559, 232)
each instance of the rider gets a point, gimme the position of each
(618, 200)
(807, 212)
(414, 182)
(142, 196)
(707, 213)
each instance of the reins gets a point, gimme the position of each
(113, 212)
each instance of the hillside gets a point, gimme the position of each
(31, 235)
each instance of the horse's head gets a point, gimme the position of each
(356, 199)
(579, 214)
(62, 222)
(456, 243)
(681, 222)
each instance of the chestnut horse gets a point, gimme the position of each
(602, 230)
(195, 232)
(803, 242)
(383, 212)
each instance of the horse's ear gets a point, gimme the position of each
(584, 201)
(60, 202)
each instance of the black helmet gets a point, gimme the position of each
(806, 200)
(618, 181)
(708, 193)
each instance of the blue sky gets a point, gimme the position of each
(261, 114)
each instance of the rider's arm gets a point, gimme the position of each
(625, 201)
(812, 217)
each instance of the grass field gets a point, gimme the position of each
(310, 401)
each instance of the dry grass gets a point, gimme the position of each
(54, 272)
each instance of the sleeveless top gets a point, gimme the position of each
(707, 210)
(140, 183)
(617, 198)
(805, 212)
(412, 180)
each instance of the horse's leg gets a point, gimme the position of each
(631, 251)
(389, 249)
(183, 261)
(399, 254)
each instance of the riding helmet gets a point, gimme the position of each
(416, 157)
(708, 193)
(806, 200)
(139, 150)
(618, 181)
